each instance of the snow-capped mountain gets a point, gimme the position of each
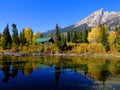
(112, 19)
(101, 17)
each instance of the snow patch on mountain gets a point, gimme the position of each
(101, 17)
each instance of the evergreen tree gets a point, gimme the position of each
(71, 36)
(62, 37)
(68, 36)
(64, 46)
(57, 37)
(80, 37)
(6, 40)
(84, 36)
(22, 38)
(63, 42)
(1, 39)
(74, 38)
(15, 37)
(117, 40)
(104, 37)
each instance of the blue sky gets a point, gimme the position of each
(43, 15)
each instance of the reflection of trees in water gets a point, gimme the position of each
(15, 68)
(57, 75)
(9, 72)
(27, 68)
(98, 69)
(117, 64)
(6, 69)
(10, 67)
(104, 74)
(62, 64)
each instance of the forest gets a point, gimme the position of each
(97, 40)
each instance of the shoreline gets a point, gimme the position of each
(19, 54)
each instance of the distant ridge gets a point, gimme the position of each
(112, 19)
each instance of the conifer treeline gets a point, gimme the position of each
(99, 34)
(15, 40)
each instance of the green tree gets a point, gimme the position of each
(62, 37)
(63, 41)
(6, 39)
(68, 36)
(15, 37)
(22, 38)
(84, 36)
(104, 37)
(1, 38)
(117, 40)
(74, 38)
(79, 34)
(64, 45)
(71, 36)
(57, 37)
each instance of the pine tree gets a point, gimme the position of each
(57, 37)
(62, 37)
(79, 34)
(117, 40)
(74, 38)
(15, 37)
(71, 36)
(64, 46)
(6, 40)
(1, 38)
(68, 36)
(22, 38)
(104, 36)
(84, 36)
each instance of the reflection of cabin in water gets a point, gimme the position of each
(44, 40)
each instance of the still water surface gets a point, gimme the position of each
(59, 73)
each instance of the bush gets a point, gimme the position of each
(88, 48)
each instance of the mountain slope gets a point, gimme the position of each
(101, 17)
(112, 19)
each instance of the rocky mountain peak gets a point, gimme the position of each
(112, 19)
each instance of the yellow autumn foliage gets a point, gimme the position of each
(95, 35)
(88, 48)
(112, 37)
(28, 35)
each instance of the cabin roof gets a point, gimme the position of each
(42, 40)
